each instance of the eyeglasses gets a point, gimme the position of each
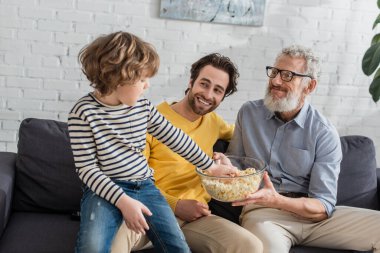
(286, 75)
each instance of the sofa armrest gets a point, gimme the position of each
(7, 178)
(378, 184)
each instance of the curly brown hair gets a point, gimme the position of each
(220, 62)
(119, 58)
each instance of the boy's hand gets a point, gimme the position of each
(133, 213)
(222, 170)
(221, 158)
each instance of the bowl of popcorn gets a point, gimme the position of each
(236, 187)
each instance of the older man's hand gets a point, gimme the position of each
(266, 196)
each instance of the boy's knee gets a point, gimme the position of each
(92, 246)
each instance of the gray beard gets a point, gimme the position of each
(287, 104)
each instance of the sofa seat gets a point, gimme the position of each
(53, 233)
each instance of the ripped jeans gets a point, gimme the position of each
(100, 220)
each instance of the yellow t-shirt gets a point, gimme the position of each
(175, 177)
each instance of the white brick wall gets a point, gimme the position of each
(40, 40)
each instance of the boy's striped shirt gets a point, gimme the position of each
(107, 143)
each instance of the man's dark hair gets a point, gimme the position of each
(220, 62)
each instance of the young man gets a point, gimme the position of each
(213, 77)
(296, 205)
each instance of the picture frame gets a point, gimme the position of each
(236, 12)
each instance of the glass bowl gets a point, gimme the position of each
(229, 189)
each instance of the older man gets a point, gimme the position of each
(296, 205)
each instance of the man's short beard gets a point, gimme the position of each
(287, 104)
(191, 100)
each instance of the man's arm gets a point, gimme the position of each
(309, 208)
(324, 175)
(191, 209)
(186, 209)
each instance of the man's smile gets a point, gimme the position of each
(203, 101)
(278, 91)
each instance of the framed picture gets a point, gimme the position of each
(237, 12)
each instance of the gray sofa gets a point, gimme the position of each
(40, 191)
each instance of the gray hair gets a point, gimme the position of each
(312, 61)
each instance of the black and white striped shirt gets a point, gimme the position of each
(107, 143)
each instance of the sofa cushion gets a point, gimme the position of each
(39, 232)
(357, 183)
(45, 173)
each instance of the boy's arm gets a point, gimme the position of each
(176, 140)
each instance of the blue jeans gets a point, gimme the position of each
(100, 220)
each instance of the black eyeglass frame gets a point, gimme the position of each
(283, 70)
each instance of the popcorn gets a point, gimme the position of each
(234, 188)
